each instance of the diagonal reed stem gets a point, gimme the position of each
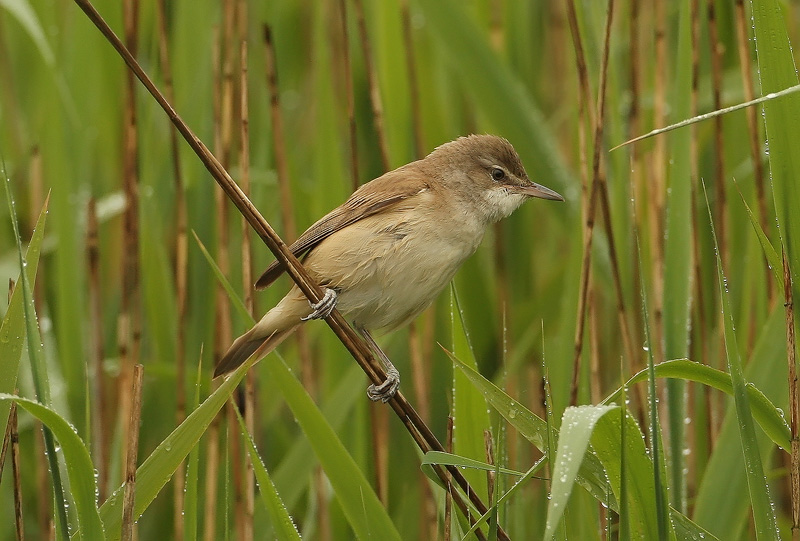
(418, 430)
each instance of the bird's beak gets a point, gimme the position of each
(536, 190)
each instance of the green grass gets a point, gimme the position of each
(723, 443)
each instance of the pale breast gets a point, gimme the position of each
(387, 268)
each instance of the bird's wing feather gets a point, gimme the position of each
(380, 194)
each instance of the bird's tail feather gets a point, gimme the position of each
(245, 346)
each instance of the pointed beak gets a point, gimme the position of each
(536, 190)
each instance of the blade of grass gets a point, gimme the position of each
(766, 414)
(763, 511)
(158, 468)
(360, 504)
(281, 521)
(678, 265)
(38, 367)
(12, 329)
(577, 426)
(191, 486)
(773, 261)
(470, 415)
(449, 459)
(82, 482)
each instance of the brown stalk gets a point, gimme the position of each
(129, 325)
(716, 85)
(378, 415)
(44, 502)
(599, 191)
(101, 441)
(348, 86)
(413, 84)
(128, 497)
(222, 330)
(16, 467)
(247, 270)
(488, 444)
(418, 430)
(657, 190)
(212, 471)
(181, 265)
(372, 82)
(703, 342)
(595, 379)
(308, 374)
(752, 126)
(448, 496)
(420, 370)
(794, 405)
(7, 436)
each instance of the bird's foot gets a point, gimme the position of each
(324, 307)
(386, 390)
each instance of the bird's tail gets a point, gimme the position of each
(273, 329)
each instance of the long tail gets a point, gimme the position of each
(244, 346)
(273, 329)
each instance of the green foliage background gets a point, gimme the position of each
(483, 66)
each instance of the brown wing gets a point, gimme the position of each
(382, 193)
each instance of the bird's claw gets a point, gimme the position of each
(386, 390)
(324, 307)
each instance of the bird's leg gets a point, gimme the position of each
(386, 390)
(324, 307)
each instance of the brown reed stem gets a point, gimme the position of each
(719, 165)
(372, 82)
(16, 467)
(794, 399)
(101, 439)
(751, 114)
(598, 191)
(413, 82)
(448, 496)
(180, 266)
(418, 430)
(348, 87)
(129, 325)
(128, 497)
(247, 270)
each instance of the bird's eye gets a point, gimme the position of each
(498, 174)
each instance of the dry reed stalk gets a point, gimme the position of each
(372, 82)
(16, 467)
(44, 503)
(180, 266)
(211, 474)
(420, 370)
(132, 451)
(129, 324)
(595, 380)
(101, 438)
(598, 191)
(308, 374)
(794, 400)
(657, 190)
(247, 271)
(413, 81)
(488, 444)
(349, 94)
(418, 430)
(719, 166)
(742, 38)
(378, 415)
(448, 496)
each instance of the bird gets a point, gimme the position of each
(386, 253)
